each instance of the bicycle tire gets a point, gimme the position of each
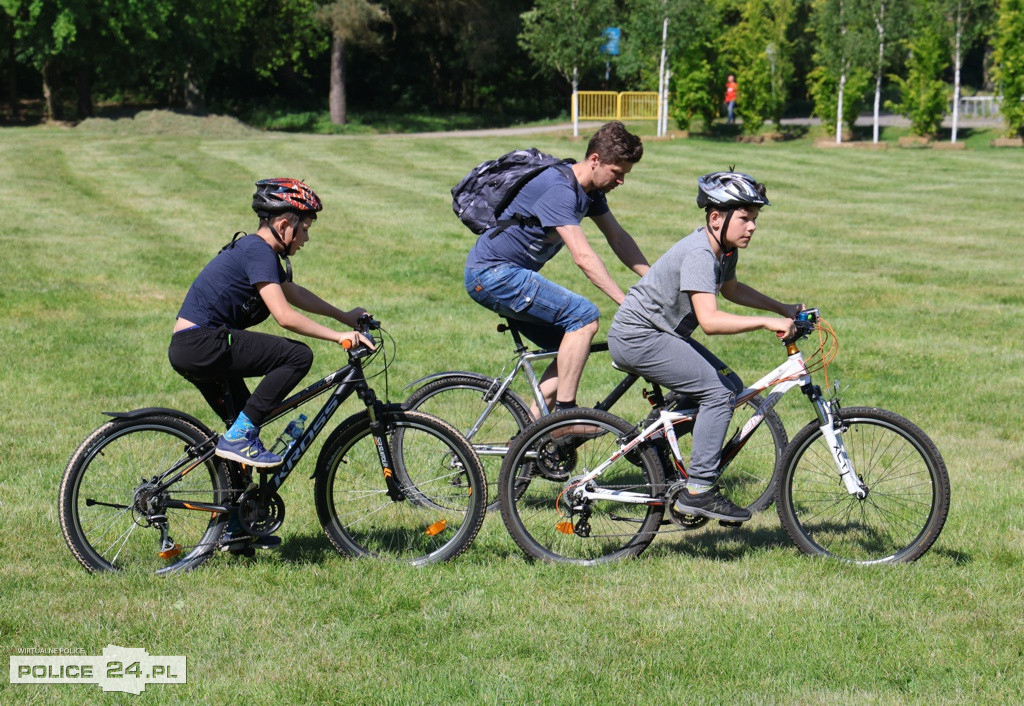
(98, 514)
(536, 510)
(751, 477)
(460, 400)
(444, 486)
(908, 491)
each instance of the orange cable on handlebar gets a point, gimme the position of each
(828, 349)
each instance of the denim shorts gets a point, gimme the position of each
(546, 310)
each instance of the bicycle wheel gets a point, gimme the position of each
(460, 400)
(541, 471)
(443, 487)
(110, 512)
(750, 479)
(908, 490)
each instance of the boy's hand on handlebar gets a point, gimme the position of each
(783, 328)
(354, 338)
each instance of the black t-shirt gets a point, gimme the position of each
(222, 294)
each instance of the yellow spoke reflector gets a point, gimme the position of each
(436, 528)
(564, 527)
(170, 553)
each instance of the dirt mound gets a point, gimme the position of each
(167, 122)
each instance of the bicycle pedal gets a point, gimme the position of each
(169, 552)
(729, 523)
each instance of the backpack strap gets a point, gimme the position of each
(518, 219)
(287, 262)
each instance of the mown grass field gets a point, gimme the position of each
(914, 256)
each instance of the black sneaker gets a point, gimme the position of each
(712, 504)
(242, 544)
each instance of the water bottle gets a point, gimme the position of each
(291, 432)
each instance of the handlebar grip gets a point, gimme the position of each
(347, 344)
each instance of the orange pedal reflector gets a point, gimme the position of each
(436, 528)
(564, 527)
(170, 553)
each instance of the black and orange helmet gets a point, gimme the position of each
(283, 195)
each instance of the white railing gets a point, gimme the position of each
(979, 107)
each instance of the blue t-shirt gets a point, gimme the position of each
(219, 295)
(552, 199)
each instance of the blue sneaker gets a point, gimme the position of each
(248, 450)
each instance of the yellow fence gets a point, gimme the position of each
(612, 105)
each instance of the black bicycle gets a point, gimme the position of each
(490, 414)
(145, 491)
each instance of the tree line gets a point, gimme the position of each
(515, 59)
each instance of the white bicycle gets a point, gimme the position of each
(860, 484)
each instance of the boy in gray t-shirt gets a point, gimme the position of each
(650, 333)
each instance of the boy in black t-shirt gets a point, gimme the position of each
(239, 288)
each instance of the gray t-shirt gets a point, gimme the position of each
(555, 201)
(660, 300)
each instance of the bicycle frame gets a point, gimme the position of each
(347, 380)
(792, 373)
(524, 360)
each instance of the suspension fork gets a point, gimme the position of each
(832, 429)
(375, 408)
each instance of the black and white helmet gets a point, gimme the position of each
(728, 190)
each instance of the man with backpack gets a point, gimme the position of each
(544, 214)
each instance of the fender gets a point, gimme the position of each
(149, 411)
(435, 376)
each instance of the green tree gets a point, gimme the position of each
(1008, 57)
(839, 80)
(43, 33)
(760, 48)
(922, 92)
(964, 22)
(693, 49)
(890, 21)
(565, 36)
(351, 22)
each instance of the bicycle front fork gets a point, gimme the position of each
(832, 428)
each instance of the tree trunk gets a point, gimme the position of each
(880, 27)
(83, 89)
(54, 110)
(339, 109)
(957, 60)
(195, 101)
(839, 107)
(11, 70)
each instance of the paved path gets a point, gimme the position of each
(865, 120)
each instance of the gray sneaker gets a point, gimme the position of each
(712, 504)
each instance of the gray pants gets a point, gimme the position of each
(683, 365)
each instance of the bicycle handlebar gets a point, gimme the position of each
(806, 322)
(364, 324)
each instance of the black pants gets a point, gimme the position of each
(217, 361)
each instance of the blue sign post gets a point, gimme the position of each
(612, 35)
